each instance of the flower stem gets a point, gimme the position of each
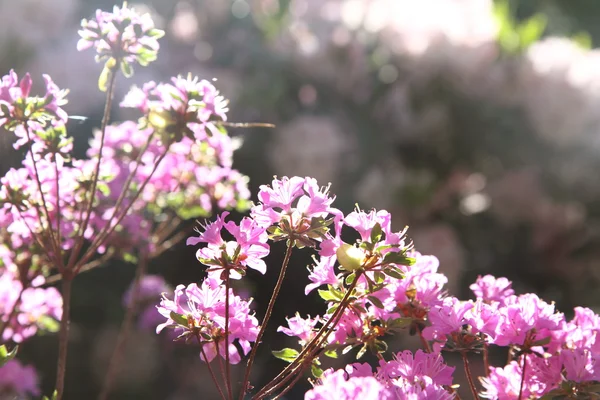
(469, 376)
(227, 364)
(310, 350)
(210, 370)
(286, 260)
(424, 341)
(63, 336)
(54, 242)
(109, 229)
(523, 376)
(486, 359)
(88, 212)
(125, 329)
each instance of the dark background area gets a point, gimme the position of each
(485, 142)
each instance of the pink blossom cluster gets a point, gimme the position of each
(29, 116)
(380, 286)
(198, 314)
(405, 376)
(187, 107)
(23, 206)
(193, 178)
(25, 308)
(122, 35)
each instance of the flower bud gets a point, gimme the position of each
(350, 257)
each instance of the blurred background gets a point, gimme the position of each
(474, 122)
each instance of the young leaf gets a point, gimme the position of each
(286, 354)
(376, 233)
(375, 301)
(178, 318)
(316, 371)
(5, 355)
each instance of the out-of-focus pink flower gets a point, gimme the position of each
(18, 380)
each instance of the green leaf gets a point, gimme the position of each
(327, 295)
(376, 233)
(130, 258)
(316, 371)
(48, 324)
(583, 40)
(53, 397)
(531, 30)
(179, 318)
(105, 75)
(398, 258)
(394, 273)
(350, 278)
(331, 353)
(286, 354)
(5, 355)
(375, 301)
(126, 69)
(542, 342)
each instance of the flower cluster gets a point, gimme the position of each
(19, 109)
(122, 35)
(380, 286)
(187, 107)
(151, 288)
(198, 314)
(405, 376)
(60, 215)
(193, 178)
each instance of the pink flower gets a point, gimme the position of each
(123, 35)
(298, 208)
(526, 319)
(322, 273)
(492, 289)
(300, 327)
(21, 113)
(36, 308)
(18, 380)
(246, 251)
(505, 383)
(200, 315)
(187, 107)
(445, 318)
(335, 385)
(415, 368)
(581, 365)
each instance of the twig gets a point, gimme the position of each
(286, 260)
(125, 329)
(469, 376)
